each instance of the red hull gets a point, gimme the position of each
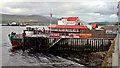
(16, 44)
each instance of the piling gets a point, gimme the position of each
(74, 44)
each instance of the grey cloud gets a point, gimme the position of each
(82, 9)
(108, 9)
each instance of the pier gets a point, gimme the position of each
(68, 43)
(112, 58)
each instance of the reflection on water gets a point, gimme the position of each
(18, 58)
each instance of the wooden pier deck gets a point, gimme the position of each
(76, 44)
(99, 41)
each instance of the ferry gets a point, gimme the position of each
(71, 27)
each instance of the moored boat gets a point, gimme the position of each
(16, 39)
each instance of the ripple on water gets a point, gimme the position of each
(6, 44)
(39, 59)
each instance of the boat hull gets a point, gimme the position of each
(16, 42)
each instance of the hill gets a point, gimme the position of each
(27, 19)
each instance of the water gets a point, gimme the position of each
(18, 58)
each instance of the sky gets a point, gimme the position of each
(87, 10)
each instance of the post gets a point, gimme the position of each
(19, 28)
(23, 41)
(118, 33)
(118, 25)
(50, 22)
(50, 25)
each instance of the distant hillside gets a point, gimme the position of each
(27, 18)
(104, 23)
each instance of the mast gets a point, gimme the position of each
(19, 24)
(50, 21)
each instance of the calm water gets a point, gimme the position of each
(18, 58)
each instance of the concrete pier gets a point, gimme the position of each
(116, 53)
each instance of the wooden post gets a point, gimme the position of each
(24, 34)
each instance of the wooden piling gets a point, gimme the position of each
(76, 44)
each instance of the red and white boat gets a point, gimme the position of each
(70, 27)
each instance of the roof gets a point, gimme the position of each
(94, 25)
(68, 26)
(70, 18)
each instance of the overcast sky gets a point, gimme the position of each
(94, 10)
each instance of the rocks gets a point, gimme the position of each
(88, 59)
(44, 60)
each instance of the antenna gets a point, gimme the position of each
(50, 22)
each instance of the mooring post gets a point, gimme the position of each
(24, 34)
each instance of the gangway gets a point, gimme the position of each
(54, 42)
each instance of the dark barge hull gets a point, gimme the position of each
(75, 44)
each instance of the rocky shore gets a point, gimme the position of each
(89, 59)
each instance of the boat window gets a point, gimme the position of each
(67, 29)
(51, 28)
(63, 29)
(74, 30)
(59, 29)
(77, 30)
(54, 29)
(70, 29)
